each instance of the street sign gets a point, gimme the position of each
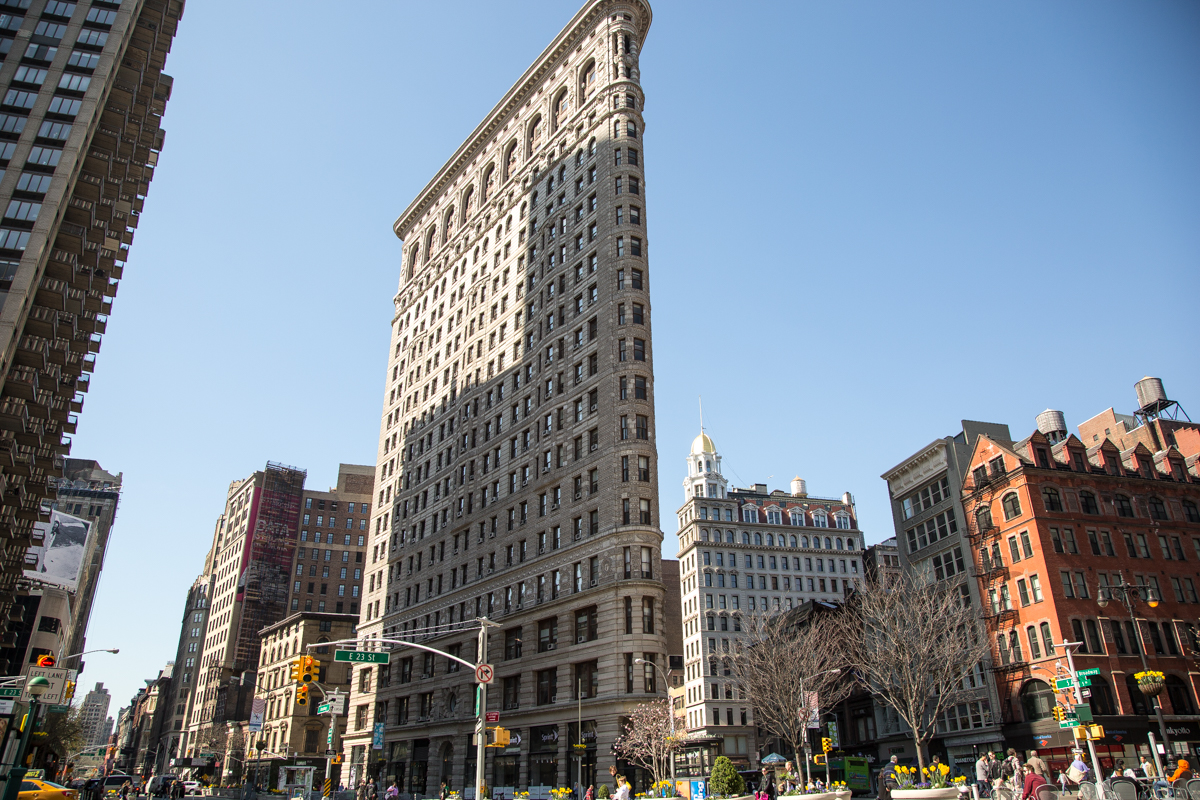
(57, 678)
(1064, 683)
(1085, 672)
(58, 709)
(333, 705)
(10, 691)
(484, 673)
(1083, 712)
(1068, 723)
(361, 656)
(6, 706)
(1085, 682)
(493, 716)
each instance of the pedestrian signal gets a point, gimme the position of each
(302, 695)
(500, 737)
(818, 760)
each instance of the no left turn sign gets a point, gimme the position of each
(484, 673)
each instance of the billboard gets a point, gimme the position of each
(60, 556)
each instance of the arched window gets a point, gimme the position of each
(1047, 638)
(414, 256)
(828, 545)
(771, 539)
(1011, 505)
(510, 159)
(448, 227)
(489, 183)
(983, 519)
(850, 543)
(1102, 697)
(323, 649)
(1158, 509)
(1035, 649)
(1124, 506)
(797, 516)
(1179, 695)
(560, 108)
(1051, 499)
(1087, 502)
(430, 238)
(745, 537)
(535, 135)
(1140, 704)
(1190, 512)
(793, 541)
(804, 541)
(1037, 699)
(587, 79)
(758, 539)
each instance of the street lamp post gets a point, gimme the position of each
(36, 687)
(1130, 595)
(670, 712)
(64, 659)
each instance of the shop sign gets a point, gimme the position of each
(1181, 730)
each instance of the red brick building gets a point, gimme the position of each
(1053, 523)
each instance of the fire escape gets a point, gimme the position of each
(1009, 665)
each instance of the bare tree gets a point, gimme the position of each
(912, 643)
(647, 741)
(782, 661)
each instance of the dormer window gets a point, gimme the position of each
(997, 466)
(750, 514)
(774, 517)
(843, 520)
(820, 520)
(796, 516)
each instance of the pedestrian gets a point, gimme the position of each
(1013, 771)
(612, 773)
(1147, 768)
(622, 788)
(444, 792)
(590, 794)
(1079, 770)
(981, 775)
(887, 779)
(126, 788)
(767, 787)
(1036, 764)
(1032, 781)
(393, 792)
(1181, 771)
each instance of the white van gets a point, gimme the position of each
(160, 785)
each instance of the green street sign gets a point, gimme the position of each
(10, 692)
(1085, 682)
(1064, 683)
(58, 709)
(1090, 671)
(1068, 724)
(1083, 712)
(361, 656)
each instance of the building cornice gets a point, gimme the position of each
(916, 468)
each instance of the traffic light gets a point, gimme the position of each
(1080, 732)
(500, 737)
(337, 759)
(306, 669)
(45, 661)
(69, 690)
(826, 744)
(1095, 731)
(297, 668)
(818, 760)
(1059, 713)
(301, 695)
(315, 668)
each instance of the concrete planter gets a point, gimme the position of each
(949, 793)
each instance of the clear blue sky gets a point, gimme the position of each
(866, 222)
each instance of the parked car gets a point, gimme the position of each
(36, 789)
(192, 787)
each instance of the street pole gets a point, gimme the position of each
(804, 727)
(327, 788)
(16, 772)
(481, 715)
(1097, 772)
(1141, 643)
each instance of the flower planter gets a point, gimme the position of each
(948, 793)
(842, 794)
(1151, 687)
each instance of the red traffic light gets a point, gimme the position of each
(45, 661)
